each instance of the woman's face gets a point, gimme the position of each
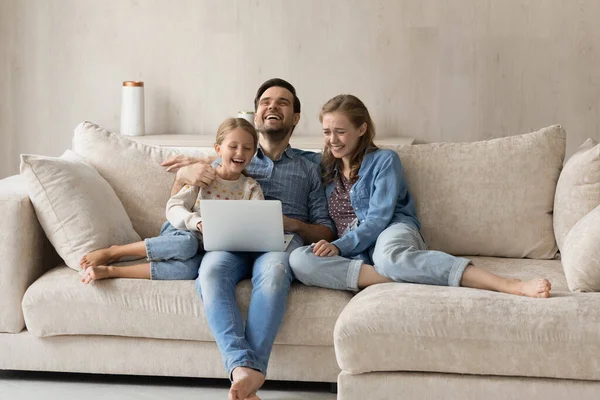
(341, 136)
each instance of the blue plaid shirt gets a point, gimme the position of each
(296, 182)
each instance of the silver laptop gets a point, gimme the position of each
(243, 225)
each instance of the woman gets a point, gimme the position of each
(375, 216)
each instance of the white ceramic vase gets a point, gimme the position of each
(132, 109)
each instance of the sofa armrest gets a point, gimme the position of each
(25, 252)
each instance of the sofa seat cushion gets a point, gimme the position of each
(409, 327)
(59, 304)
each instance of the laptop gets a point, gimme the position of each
(243, 225)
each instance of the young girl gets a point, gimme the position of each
(375, 216)
(176, 253)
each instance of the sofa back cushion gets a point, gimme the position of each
(578, 189)
(489, 198)
(580, 254)
(134, 172)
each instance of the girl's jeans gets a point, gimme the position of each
(174, 255)
(219, 274)
(399, 253)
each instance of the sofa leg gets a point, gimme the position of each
(333, 387)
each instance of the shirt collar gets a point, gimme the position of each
(289, 152)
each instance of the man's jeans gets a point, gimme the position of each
(174, 254)
(219, 274)
(400, 254)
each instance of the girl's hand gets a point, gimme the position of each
(199, 226)
(325, 249)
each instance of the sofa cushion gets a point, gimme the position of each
(59, 304)
(581, 254)
(491, 198)
(76, 207)
(578, 189)
(409, 327)
(133, 170)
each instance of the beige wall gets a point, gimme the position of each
(440, 70)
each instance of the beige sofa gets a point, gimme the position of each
(493, 201)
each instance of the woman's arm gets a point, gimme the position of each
(388, 184)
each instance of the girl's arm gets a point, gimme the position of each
(254, 190)
(388, 184)
(179, 209)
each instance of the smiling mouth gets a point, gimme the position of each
(273, 117)
(237, 161)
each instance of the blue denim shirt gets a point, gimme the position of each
(380, 197)
(296, 182)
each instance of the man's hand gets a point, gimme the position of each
(175, 163)
(199, 174)
(325, 249)
(310, 233)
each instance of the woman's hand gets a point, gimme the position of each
(325, 249)
(173, 164)
(199, 226)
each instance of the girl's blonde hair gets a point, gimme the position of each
(234, 123)
(357, 113)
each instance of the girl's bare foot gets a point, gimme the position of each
(246, 381)
(538, 287)
(95, 273)
(99, 257)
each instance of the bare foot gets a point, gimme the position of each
(99, 257)
(95, 273)
(538, 287)
(246, 381)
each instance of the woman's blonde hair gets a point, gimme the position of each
(357, 113)
(234, 123)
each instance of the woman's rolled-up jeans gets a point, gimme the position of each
(400, 254)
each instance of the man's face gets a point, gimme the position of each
(275, 115)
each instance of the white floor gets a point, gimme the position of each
(37, 385)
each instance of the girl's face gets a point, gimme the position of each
(236, 151)
(341, 136)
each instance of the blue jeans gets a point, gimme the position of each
(174, 255)
(219, 274)
(399, 254)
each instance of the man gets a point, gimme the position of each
(296, 182)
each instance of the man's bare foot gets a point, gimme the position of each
(538, 287)
(99, 257)
(246, 382)
(95, 273)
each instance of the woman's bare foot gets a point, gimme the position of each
(95, 273)
(246, 382)
(538, 287)
(99, 257)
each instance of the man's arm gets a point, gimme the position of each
(310, 233)
(190, 171)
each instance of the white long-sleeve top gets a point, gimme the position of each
(183, 209)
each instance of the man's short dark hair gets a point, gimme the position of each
(279, 83)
